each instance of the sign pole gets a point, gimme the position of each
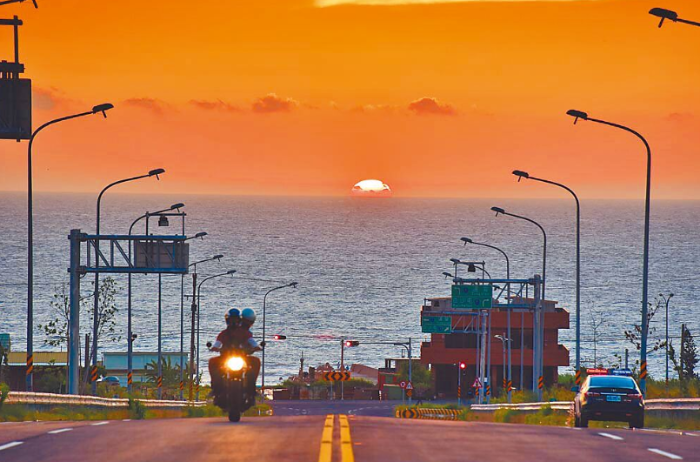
(74, 326)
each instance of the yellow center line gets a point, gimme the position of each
(326, 440)
(345, 440)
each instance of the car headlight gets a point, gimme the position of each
(235, 363)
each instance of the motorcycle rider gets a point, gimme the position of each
(236, 335)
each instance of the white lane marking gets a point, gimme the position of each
(666, 454)
(126, 420)
(99, 423)
(60, 430)
(574, 428)
(11, 445)
(691, 434)
(612, 437)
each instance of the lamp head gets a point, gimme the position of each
(471, 268)
(447, 275)
(456, 261)
(664, 14)
(520, 174)
(103, 108)
(156, 172)
(163, 221)
(577, 115)
(201, 235)
(230, 271)
(498, 210)
(177, 206)
(466, 240)
(293, 285)
(670, 295)
(218, 257)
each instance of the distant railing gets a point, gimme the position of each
(659, 404)
(47, 399)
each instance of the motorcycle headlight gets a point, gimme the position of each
(235, 363)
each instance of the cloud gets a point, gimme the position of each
(154, 105)
(217, 105)
(325, 3)
(373, 108)
(680, 117)
(273, 103)
(431, 106)
(47, 99)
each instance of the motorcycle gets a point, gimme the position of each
(234, 398)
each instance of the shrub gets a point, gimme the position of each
(4, 391)
(137, 410)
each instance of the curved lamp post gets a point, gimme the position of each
(504, 340)
(193, 324)
(671, 16)
(521, 174)
(466, 241)
(96, 298)
(199, 293)
(292, 285)
(538, 363)
(645, 271)
(129, 335)
(100, 108)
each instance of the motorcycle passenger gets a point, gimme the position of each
(247, 320)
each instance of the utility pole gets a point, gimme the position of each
(342, 368)
(680, 356)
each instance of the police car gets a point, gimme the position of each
(609, 394)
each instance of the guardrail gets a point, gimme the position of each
(47, 399)
(658, 404)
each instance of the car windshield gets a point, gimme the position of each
(612, 382)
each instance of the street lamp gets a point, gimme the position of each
(520, 174)
(199, 293)
(409, 350)
(503, 340)
(538, 318)
(96, 298)
(292, 285)
(666, 300)
(101, 108)
(195, 321)
(466, 241)
(645, 271)
(670, 15)
(130, 353)
(471, 266)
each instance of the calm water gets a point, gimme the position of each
(364, 266)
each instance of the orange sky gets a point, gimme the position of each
(285, 97)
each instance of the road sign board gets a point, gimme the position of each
(472, 296)
(477, 384)
(436, 324)
(409, 386)
(402, 384)
(409, 393)
(336, 376)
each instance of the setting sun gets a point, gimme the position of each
(371, 188)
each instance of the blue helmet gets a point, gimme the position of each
(232, 315)
(248, 314)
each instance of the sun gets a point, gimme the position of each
(371, 188)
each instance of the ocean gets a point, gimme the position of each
(364, 267)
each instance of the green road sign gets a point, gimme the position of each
(472, 296)
(437, 324)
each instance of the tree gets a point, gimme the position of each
(597, 322)
(422, 378)
(171, 373)
(56, 330)
(634, 336)
(688, 356)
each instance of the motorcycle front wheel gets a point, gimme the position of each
(235, 397)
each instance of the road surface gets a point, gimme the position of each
(347, 439)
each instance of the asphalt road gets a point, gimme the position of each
(349, 407)
(334, 439)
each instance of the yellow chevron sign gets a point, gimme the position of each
(336, 376)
